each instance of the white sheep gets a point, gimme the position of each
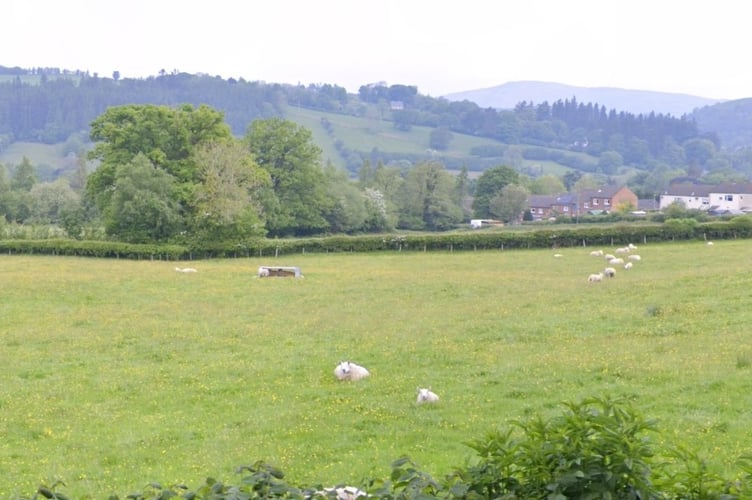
(595, 277)
(610, 272)
(632, 246)
(426, 396)
(710, 243)
(186, 270)
(628, 266)
(616, 262)
(263, 272)
(597, 253)
(558, 256)
(609, 256)
(347, 370)
(622, 250)
(634, 256)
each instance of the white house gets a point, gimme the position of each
(718, 198)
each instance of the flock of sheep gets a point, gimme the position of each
(347, 370)
(623, 258)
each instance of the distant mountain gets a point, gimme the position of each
(508, 95)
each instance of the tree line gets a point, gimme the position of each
(49, 105)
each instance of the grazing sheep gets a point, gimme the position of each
(609, 256)
(616, 262)
(350, 371)
(186, 270)
(597, 253)
(632, 247)
(610, 272)
(622, 250)
(628, 266)
(426, 396)
(634, 256)
(593, 278)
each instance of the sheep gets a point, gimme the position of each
(623, 250)
(609, 256)
(186, 270)
(426, 396)
(634, 256)
(263, 272)
(632, 247)
(595, 277)
(610, 272)
(616, 262)
(347, 370)
(710, 243)
(558, 256)
(628, 266)
(596, 253)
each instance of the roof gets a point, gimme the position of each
(688, 189)
(607, 191)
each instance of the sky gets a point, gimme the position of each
(676, 46)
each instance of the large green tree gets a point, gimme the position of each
(301, 199)
(143, 207)
(166, 136)
(489, 184)
(228, 200)
(428, 200)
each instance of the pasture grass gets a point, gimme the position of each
(117, 373)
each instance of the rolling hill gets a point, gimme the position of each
(508, 95)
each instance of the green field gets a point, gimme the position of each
(117, 373)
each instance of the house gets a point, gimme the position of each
(606, 199)
(543, 207)
(600, 200)
(728, 197)
(692, 196)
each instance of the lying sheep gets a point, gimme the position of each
(610, 272)
(597, 253)
(347, 370)
(426, 396)
(595, 277)
(609, 256)
(616, 262)
(634, 256)
(186, 270)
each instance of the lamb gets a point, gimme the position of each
(628, 266)
(593, 278)
(347, 370)
(186, 270)
(426, 396)
(610, 272)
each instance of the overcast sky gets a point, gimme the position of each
(679, 46)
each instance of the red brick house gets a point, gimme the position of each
(603, 199)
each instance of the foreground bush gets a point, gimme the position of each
(599, 448)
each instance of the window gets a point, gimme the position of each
(595, 202)
(586, 205)
(566, 208)
(607, 202)
(729, 197)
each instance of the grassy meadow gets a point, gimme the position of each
(118, 373)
